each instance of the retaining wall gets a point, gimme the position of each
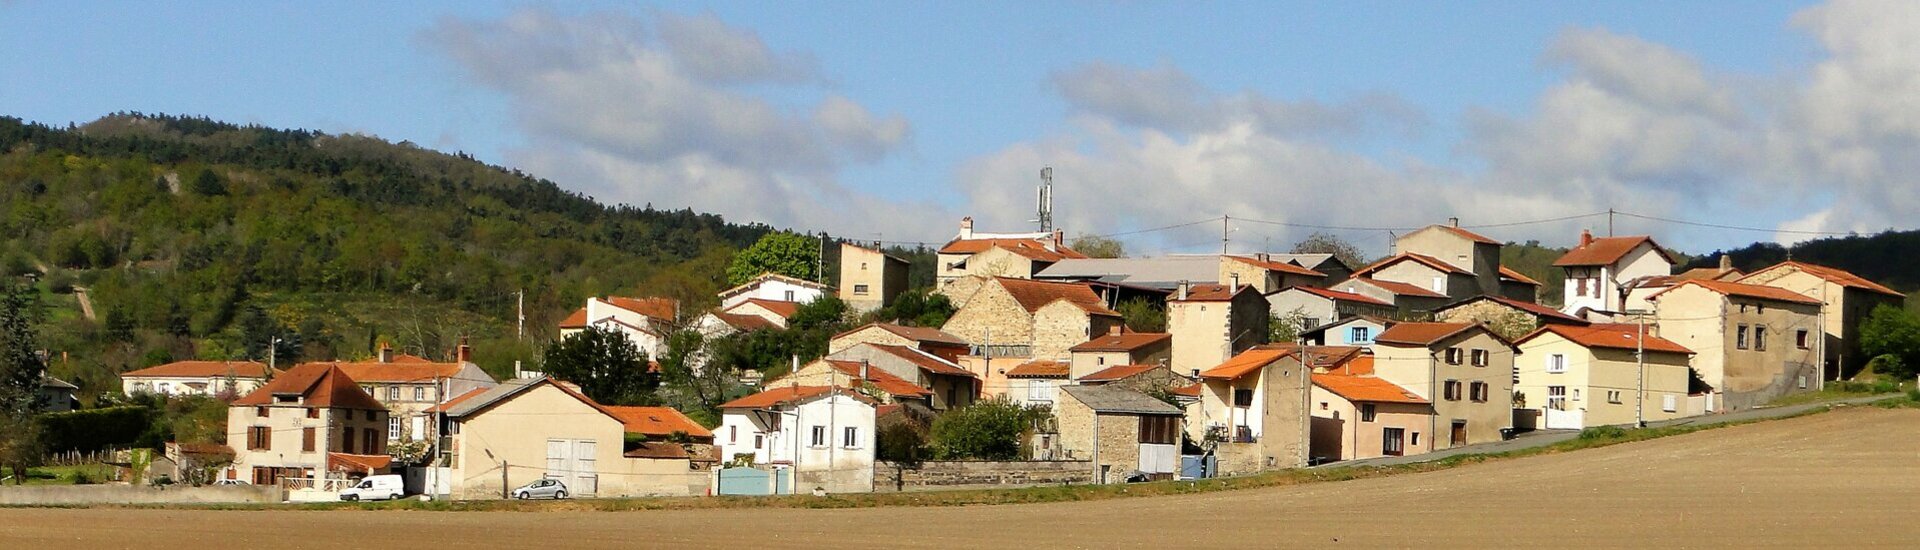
(16, 495)
(936, 475)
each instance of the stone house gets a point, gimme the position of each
(1465, 251)
(1580, 376)
(1120, 348)
(1006, 317)
(1640, 289)
(1315, 306)
(869, 278)
(1253, 409)
(774, 287)
(1506, 316)
(196, 378)
(409, 385)
(1846, 301)
(930, 340)
(308, 421)
(951, 384)
(1601, 270)
(539, 428)
(824, 435)
(1751, 343)
(644, 321)
(1016, 255)
(1358, 415)
(1211, 323)
(1409, 301)
(1427, 273)
(1464, 369)
(1141, 378)
(1267, 274)
(1119, 431)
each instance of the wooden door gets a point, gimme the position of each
(1459, 433)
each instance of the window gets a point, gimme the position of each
(346, 440)
(1557, 363)
(819, 436)
(1583, 287)
(1040, 390)
(1100, 360)
(1759, 308)
(1309, 323)
(1413, 439)
(733, 434)
(850, 437)
(313, 412)
(393, 427)
(1323, 405)
(1801, 339)
(1740, 338)
(1480, 357)
(1391, 441)
(1760, 338)
(1242, 398)
(259, 438)
(1366, 412)
(863, 267)
(1453, 390)
(306, 440)
(1613, 396)
(1668, 403)
(1478, 391)
(1440, 284)
(419, 393)
(369, 415)
(1576, 394)
(393, 393)
(263, 412)
(1359, 335)
(1557, 398)
(756, 441)
(371, 442)
(860, 290)
(1453, 356)
(1159, 430)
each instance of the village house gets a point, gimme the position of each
(1036, 383)
(1326, 264)
(1508, 317)
(1120, 348)
(408, 385)
(56, 395)
(1358, 330)
(1580, 376)
(824, 435)
(930, 340)
(1425, 272)
(869, 278)
(644, 321)
(1015, 255)
(1359, 415)
(746, 315)
(1457, 252)
(539, 428)
(1640, 289)
(1751, 343)
(1149, 379)
(308, 421)
(1601, 270)
(773, 287)
(1211, 323)
(1517, 286)
(1312, 306)
(860, 376)
(1266, 274)
(951, 385)
(1409, 300)
(1846, 301)
(209, 378)
(1464, 369)
(1006, 317)
(1120, 431)
(1253, 409)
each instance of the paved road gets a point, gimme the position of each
(1542, 438)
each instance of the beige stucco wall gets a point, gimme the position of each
(287, 425)
(1844, 309)
(1706, 322)
(993, 374)
(516, 431)
(1279, 418)
(884, 278)
(1424, 371)
(868, 335)
(1206, 334)
(1592, 373)
(1339, 434)
(1089, 362)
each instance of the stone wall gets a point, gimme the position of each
(1057, 327)
(993, 317)
(46, 495)
(934, 475)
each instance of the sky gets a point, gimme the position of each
(892, 120)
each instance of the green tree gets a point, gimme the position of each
(606, 365)
(696, 388)
(1286, 327)
(916, 308)
(784, 253)
(1328, 243)
(262, 336)
(1142, 315)
(1891, 336)
(209, 184)
(1095, 246)
(20, 371)
(995, 429)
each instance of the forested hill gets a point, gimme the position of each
(1890, 258)
(182, 227)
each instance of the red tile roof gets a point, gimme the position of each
(1209, 292)
(1040, 369)
(1116, 373)
(1247, 362)
(657, 421)
(1339, 295)
(927, 362)
(1125, 341)
(1035, 249)
(343, 462)
(785, 396)
(577, 320)
(743, 321)
(1469, 235)
(782, 308)
(1421, 334)
(917, 334)
(1708, 273)
(1743, 290)
(1609, 335)
(1510, 274)
(880, 378)
(1607, 250)
(1530, 308)
(371, 372)
(1422, 259)
(658, 308)
(1034, 295)
(458, 399)
(1400, 289)
(1366, 389)
(319, 385)
(1190, 390)
(1282, 267)
(197, 369)
(1831, 274)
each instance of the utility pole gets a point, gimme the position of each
(1223, 233)
(503, 480)
(273, 351)
(520, 299)
(820, 263)
(1609, 222)
(1640, 368)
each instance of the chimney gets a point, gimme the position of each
(386, 353)
(1183, 290)
(1236, 283)
(1263, 257)
(865, 369)
(966, 228)
(1453, 222)
(1059, 236)
(464, 353)
(1726, 263)
(1586, 237)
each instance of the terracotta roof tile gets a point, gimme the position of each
(1282, 267)
(1190, 390)
(1607, 250)
(1832, 274)
(1034, 295)
(1366, 389)
(1040, 369)
(373, 372)
(1743, 290)
(458, 399)
(343, 462)
(578, 319)
(658, 308)
(1035, 249)
(1125, 341)
(1421, 334)
(744, 322)
(1398, 288)
(1209, 292)
(1609, 335)
(880, 378)
(1339, 295)
(1509, 274)
(1422, 259)
(928, 363)
(196, 369)
(657, 421)
(787, 395)
(1117, 372)
(1247, 362)
(319, 385)
(782, 308)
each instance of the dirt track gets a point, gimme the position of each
(1850, 478)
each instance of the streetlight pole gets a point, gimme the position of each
(1640, 368)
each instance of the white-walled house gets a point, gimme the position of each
(824, 434)
(1601, 269)
(775, 287)
(644, 321)
(196, 378)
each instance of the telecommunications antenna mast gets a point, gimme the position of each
(1046, 200)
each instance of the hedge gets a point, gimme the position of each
(94, 429)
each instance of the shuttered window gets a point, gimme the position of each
(306, 440)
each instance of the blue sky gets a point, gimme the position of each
(949, 110)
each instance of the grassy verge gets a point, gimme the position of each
(1591, 438)
(68, 475)
(1835, 391)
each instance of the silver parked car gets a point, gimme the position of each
(545, 488)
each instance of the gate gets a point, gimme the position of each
(1198, 466)
(747, 481)
(1557, 419)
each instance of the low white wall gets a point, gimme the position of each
(29, 495)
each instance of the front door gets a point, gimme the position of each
(1392, 441)
(1459, 433)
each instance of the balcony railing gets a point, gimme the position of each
(1244, 434)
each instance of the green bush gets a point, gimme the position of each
(986, 430)
(1603, 432)
(95, 429)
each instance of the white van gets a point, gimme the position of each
(380, 487)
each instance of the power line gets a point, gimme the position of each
(1735, 227)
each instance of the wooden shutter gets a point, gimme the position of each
(306, 440)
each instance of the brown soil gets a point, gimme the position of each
(1849, 478)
